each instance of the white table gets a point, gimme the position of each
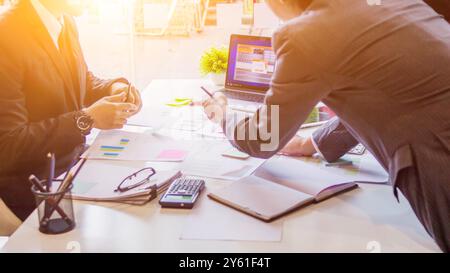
(364, 220)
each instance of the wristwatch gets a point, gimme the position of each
(83, 122)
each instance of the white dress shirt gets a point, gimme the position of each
(52, 23)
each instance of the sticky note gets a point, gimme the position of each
(172, 155)
(183, 99)
(179, 102)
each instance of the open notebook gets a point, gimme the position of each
(269, 199)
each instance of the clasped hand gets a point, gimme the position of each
(112, 112)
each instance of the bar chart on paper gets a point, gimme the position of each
(139, 146)
(114, 151)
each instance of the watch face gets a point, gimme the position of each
(84, 123)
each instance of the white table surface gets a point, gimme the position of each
(364, 220)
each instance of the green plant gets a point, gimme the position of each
(214, 60)
(313, 116)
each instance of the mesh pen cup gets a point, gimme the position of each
(55, 210)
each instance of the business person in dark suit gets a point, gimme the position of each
(49, 100)
(385, 71)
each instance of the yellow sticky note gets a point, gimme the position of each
(179, 102)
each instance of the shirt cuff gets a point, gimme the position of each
(316, 147)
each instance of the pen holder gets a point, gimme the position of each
(55, 210)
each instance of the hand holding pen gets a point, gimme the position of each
(130, 94)
(215, 106)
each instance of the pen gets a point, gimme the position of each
(74, 160)
(339, 163)
(68, 180)
(128, 92)
(35, 181)
(51, 170)
(207, 92)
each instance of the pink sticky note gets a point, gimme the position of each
(172, 155)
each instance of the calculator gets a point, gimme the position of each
(182, 193)
(358, 150)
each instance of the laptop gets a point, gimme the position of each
(251, 64)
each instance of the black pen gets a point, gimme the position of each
(339, 163)
(77, 153)
(206, 91)
(35, 181)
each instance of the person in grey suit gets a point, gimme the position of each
(385, 71)
(333, 140)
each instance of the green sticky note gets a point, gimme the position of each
(183, 99)
(178, 102)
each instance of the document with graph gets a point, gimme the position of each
(138, 146)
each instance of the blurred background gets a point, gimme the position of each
(162, 39)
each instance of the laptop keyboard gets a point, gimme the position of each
(244, 96)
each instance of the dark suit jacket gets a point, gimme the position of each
(40, 90)
(384, 70)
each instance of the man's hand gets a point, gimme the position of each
(111, 112)
(134, 96)
(299, 146)
(215, 107)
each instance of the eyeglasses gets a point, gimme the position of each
(135, 180)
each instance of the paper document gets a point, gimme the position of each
(308, 174)
(369, 170)
(125, 145)
(208, 161)
(212, 221)
(154, 116)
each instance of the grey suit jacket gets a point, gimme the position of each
(384, 70)
(333, 140)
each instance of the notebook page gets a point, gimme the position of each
(262, 197)
(306, 175)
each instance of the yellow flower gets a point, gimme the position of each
(214, 60)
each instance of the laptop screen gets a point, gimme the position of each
(251, 63)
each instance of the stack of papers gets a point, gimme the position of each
(98, 179)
